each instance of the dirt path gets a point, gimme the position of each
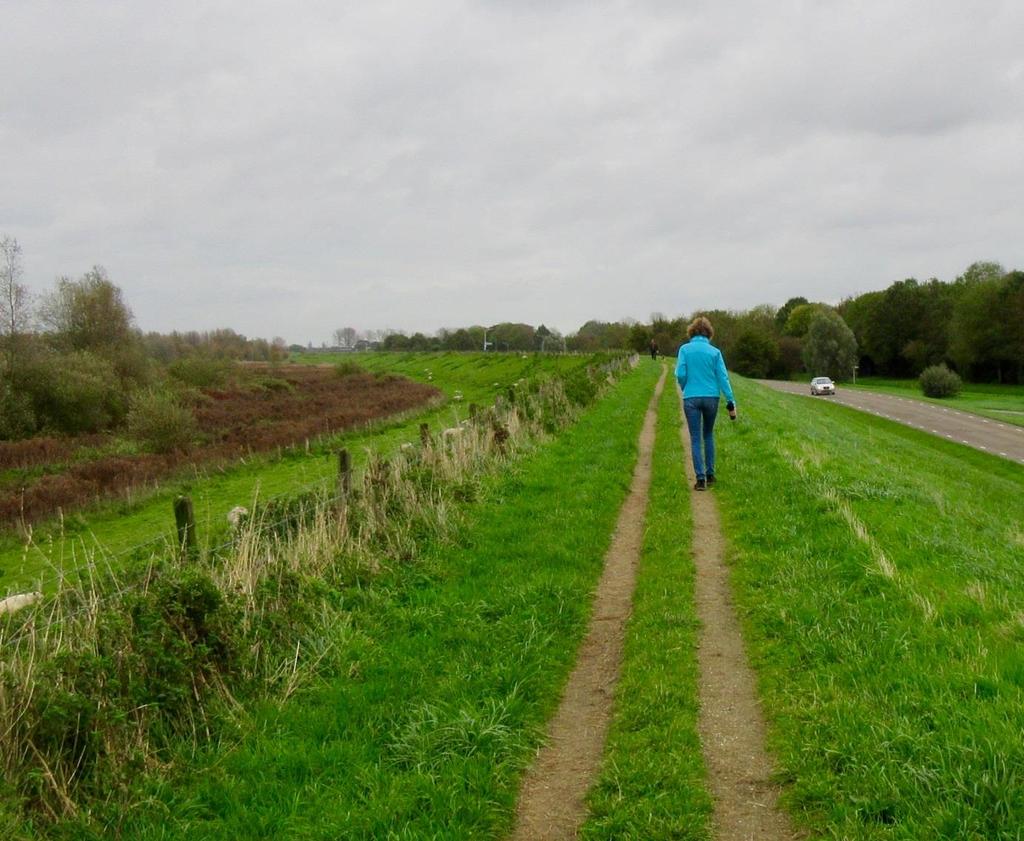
(551, 802)
(731, 726)
(1001, 439)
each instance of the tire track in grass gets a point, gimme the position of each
(551, 802)
(731, 725)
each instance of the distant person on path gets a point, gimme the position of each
(654, 349)
(700, 371)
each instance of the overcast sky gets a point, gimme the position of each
(286, 169)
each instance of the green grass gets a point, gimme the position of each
(880, 574)
(444, 675)
(1001, 402)
(652, 782)
(116, 527)
(478, 376)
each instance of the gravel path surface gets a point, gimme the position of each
(975, 431)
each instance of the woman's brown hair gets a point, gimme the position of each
(700, 326)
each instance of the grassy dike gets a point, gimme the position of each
(652, 783)
(880, 574)
(449, 670)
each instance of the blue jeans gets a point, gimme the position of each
(700, 418)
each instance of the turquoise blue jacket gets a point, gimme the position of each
(700, 370)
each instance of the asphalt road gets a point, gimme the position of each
(973, 430)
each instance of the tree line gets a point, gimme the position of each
(974, 324)
(73, 360)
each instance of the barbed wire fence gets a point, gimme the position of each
(180, 542)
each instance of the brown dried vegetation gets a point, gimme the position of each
(267, 410)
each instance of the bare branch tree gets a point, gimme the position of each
(15, 300)
(345, 336)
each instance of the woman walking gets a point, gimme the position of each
(700, 370)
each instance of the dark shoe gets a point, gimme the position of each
(700, 484)
(710, 480)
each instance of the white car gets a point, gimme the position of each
(822, 385)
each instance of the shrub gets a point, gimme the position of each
(348, 369)
(75, 392)
(939, 381)
(580, 387)
(272, 384)
(159, 422)
(17, 420)
(201, 370)
(754, 353)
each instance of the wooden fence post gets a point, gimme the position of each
(425, 434)
(185, 519)
(345, 471)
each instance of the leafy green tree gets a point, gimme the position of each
(419, 341)
(791, 357)
(754, 353)
(1013, 318)
(727, 326)
(906, 327)
(859, 313)
(760, 317)
(511, 336)
(988, 336)
(830, 348)
(639, 339)
(800, 318)
(783, 313)
(669, 333)
(601, 335)
(460, 339)
(395, 341)
(90, 315)
(548, 340)
(982, 271)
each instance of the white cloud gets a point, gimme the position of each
(426, 164)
